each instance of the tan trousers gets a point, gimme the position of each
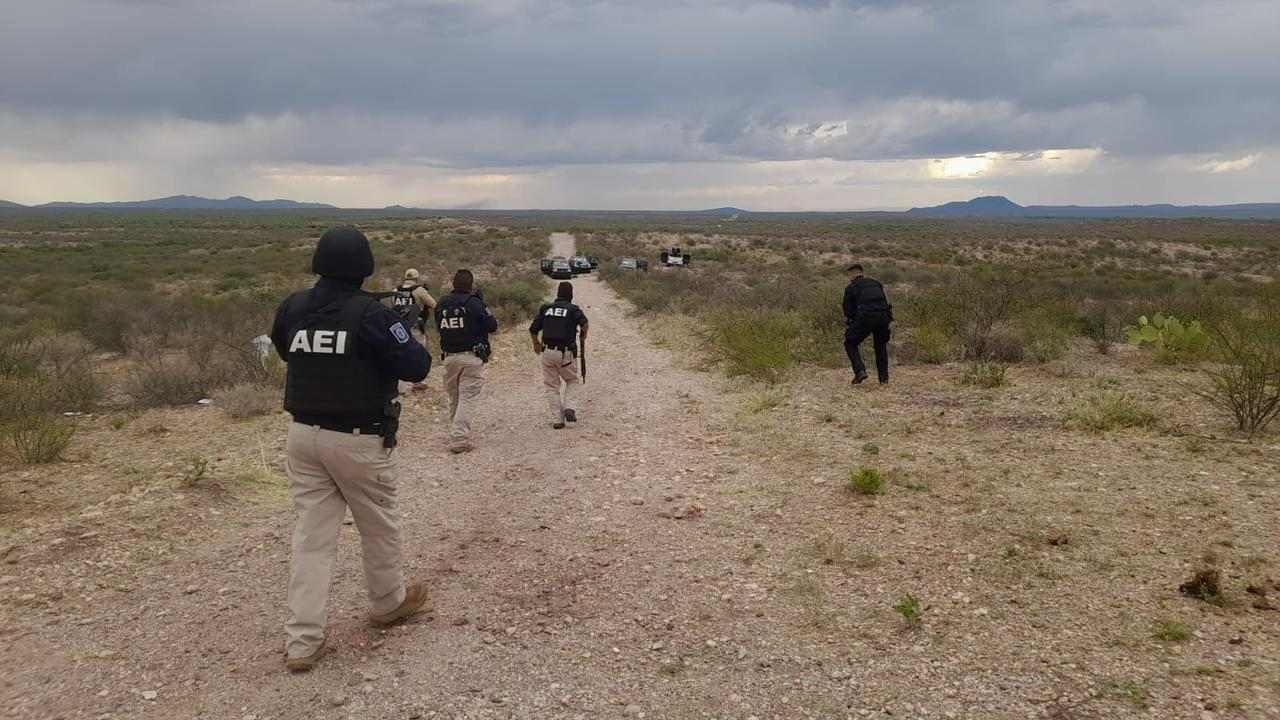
(463, 379)
(329, 471)
(559, 369)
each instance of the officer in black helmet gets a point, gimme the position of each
(346, 353)
(867, 313)
(560, 324)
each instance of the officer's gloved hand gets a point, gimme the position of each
(478, 293)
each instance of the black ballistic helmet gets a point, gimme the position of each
(343, 252)
(564, 291)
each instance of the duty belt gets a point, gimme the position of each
(354, 427)
(562, 347)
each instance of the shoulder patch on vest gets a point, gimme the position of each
(399, 333)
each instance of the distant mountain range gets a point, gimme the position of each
(181, 202)
(987, 207)
(996, 206)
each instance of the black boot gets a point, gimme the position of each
(859, 379)
(570, 415)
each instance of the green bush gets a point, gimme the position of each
(1046, 334)
(1173, 340)
(912, 612)
(1108, 411)
(37, 439)
(515, 301)
(866, 481)
(1246, 380)
(984, 374)
(754, 345)
(932, 345)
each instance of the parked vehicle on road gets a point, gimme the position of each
(561, 270)
(580, 264)
(673, 257)
(548, 262)
(630, 263)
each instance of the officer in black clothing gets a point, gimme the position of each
(867, 312)
(346, 353)
(560, 323)
(464, 323)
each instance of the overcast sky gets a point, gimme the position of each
(762, 104)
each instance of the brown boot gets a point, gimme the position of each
(415, 598)
(306, 662)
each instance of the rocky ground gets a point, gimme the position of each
(688, 550)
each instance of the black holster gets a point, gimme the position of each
(390, 423)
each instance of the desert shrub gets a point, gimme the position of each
(106, 319)
(37, 439)
(17, 355)
(1206, 585)
(821, 325)
(984, 374)
(247, 400)
(930, 344)
(973, 309)
(24, 396)
(755, 345)
(66, 363)
(866, 481)
(1173, 340)
(1108, 411)
(194, 473)
(157, 380)
(983, 300)
(1102, 326)
(1246, 380)
(1171, 631)
(912, 612)
(1003, 345)
(514, 301)
(1046, 333)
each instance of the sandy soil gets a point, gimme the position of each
(681, 553)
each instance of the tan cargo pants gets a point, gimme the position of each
(560, 368)
(329, 471)
(463, 380)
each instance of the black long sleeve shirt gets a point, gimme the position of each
(864, 295)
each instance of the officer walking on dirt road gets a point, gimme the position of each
(560, 323)
(413, 301)
(414, 304)
(464, 322)
(345, 353)
(867, 312)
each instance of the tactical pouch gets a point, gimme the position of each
(482, 351)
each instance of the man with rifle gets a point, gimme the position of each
(346, 353)
(414, 304)
(560, 324)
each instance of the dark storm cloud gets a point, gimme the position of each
(513, 82)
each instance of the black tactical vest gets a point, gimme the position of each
(328, 374)
(460, 330)
(402, 299)
(559, 323)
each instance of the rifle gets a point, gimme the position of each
(582, 357)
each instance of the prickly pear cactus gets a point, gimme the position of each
(1172, 339)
